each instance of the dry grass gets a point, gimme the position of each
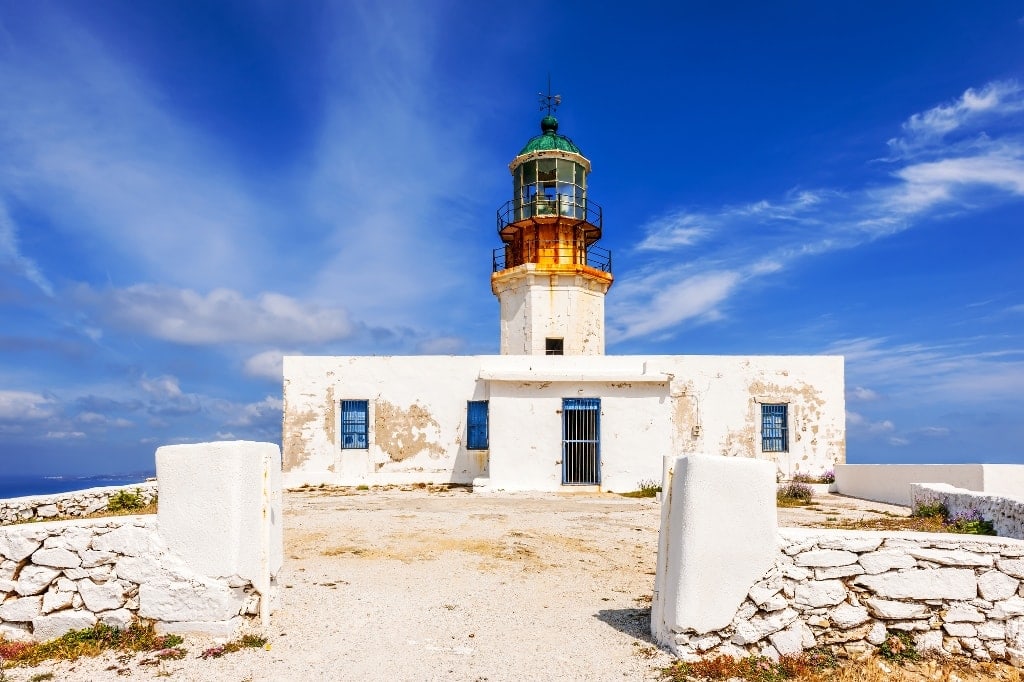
(102, 514)
(923, 524)
(89, 642)
(821, 667)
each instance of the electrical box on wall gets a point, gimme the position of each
(695, 431)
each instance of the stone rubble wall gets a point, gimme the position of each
(955, 594)
(70, 504)
(1005, 513)
(66, 575)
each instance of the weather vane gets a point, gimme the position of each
(549, 101)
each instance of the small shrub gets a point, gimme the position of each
(829, 476)
(243, 642)
(123, 500)
(88, 642)
(793, 494)
(645, 488)
(970, 522)
(924, 510)
(898, 646)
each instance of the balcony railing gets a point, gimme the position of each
(549, 206)
(558, 253)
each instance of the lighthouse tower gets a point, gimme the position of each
(550, 276)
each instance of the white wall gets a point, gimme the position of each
(536, 304)
(226, 521)
(205, 562)
(891, 482)
(717, 538)
(652, 406)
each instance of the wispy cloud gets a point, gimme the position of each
(25, 406)
(221, 316)
(954, 167)
(11, 254)
(974, 106)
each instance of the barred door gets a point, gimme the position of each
(581, 441)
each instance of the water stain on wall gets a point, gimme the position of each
(404, 433)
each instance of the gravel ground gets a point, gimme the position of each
(419, 585)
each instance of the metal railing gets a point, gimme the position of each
(511, 255)
(549, 206)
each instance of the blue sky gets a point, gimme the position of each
(190, 189)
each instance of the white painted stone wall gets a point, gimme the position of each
(890, 483)
(847, 590)
(70, 504)
(538, 305)
(205, 570)
(1006, 513)
(652, 406)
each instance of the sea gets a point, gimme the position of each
(21, 486)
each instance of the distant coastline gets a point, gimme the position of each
(22, 486)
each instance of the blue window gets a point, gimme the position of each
(476, 425)
(354, 424)
(775, 428)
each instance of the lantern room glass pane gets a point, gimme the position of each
(546, 170)
(529, 172)
(566, 170)
(581, 176)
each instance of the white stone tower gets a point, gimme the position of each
(550, 277)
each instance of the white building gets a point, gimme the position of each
(553, 410)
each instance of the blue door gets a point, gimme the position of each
(581, 441)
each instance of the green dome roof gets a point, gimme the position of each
(550, 139)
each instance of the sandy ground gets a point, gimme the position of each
(419, 585)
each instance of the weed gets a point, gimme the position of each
(243, 642)
(362, 487)
(793, 494)
(971, 523)
(645, 488)
(123, 500)
(898, 646)
(41, 677)
(924, 510)
(88, 642)
(756, 668)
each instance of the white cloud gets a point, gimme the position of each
(65, 435)
(97, 419)
(858, 422)
(268, 364)
(161, 387)
(933, 432)
(221, 316)
(673, 231)
(250, 414)
(863, 394)
(998, 98)
(10, 253)
(670, 303)
(761, 238)
(25, 406)
(88, 140)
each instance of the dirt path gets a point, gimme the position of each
(418, 585)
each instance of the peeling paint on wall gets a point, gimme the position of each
(402, 434)
(293, 437)
(330, 417)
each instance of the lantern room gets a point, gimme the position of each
(550, 275)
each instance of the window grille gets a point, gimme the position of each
(581, 441)
(775, 428)
(554, 346)
(354, 424)
(476, 425)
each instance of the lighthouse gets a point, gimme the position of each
(550, 276)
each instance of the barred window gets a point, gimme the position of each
(775, 428)
(354, 424)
